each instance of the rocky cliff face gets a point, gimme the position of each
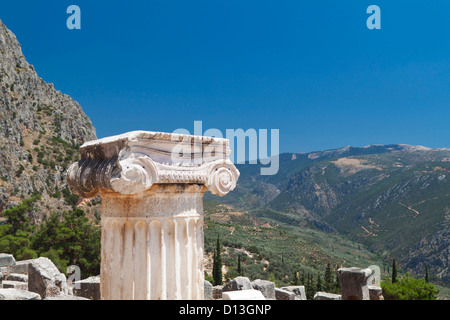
(40, 130)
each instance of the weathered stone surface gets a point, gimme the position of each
(88, 288)
(7, 260)
(326, 296)
(217, 292)
(45, 279)
(20, 267)
(208, 290)
(281, 294)
(266, 287)
(17, 277)
(152, 186)
(375, 292)
(170, 215)
(132, 162)
(8, 284)
(17, 294)
(250, 294)
(238, 283)
(299, 291)
(65, 297)
(354, 283)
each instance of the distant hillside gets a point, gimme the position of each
(394, 199)
(273, 250)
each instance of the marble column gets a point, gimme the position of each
(152, 187)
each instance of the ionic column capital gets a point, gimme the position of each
(133, 162)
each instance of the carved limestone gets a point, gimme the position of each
(152, 187)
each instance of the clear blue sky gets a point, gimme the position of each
(311, 69)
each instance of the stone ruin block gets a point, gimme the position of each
(207, 290)
(21, 267)
(88, 288)
(45, 279)
(299, 291)
(250, 294)
(281, 294)
(354, 283)
(375, 293)
(7, 260)
(217, 292)
(238, 283)
(266, 287)
(10, 284)
(326, 296)
(17, 277)
(17, 294)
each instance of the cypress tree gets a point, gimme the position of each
(394, 271)
(328, 278)
(427, 279)
(309, 289)
(319, 283)
(295, 279)
(214, 268)
(239, 265)
(337, 285)
(307, 286)
(217, 264)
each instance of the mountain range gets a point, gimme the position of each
(395, 199)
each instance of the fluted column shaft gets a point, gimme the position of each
(152, 244)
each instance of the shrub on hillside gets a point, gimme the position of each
(409, 288)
